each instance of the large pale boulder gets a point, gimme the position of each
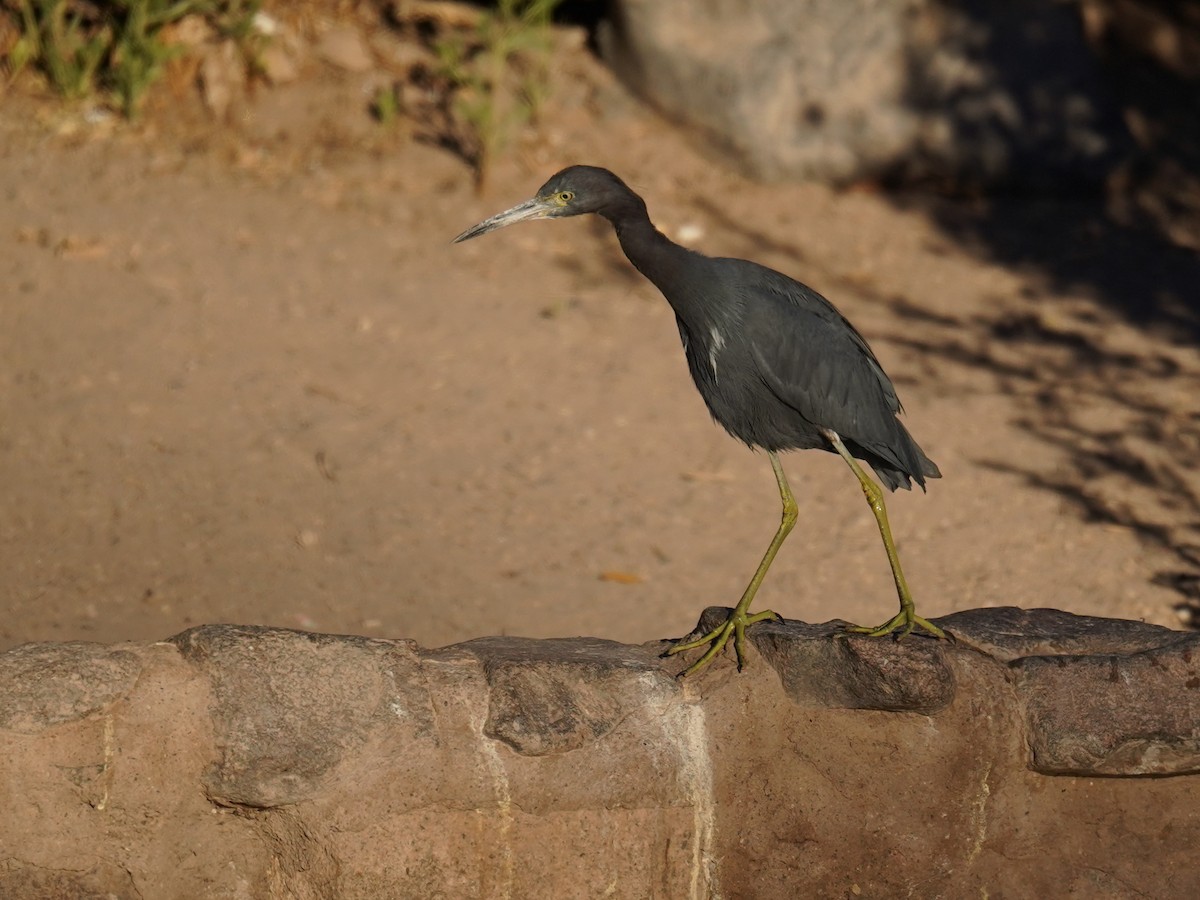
(970, 93)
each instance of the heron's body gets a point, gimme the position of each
(776, 363)
(774, 360)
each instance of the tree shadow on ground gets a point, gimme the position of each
(1108, 376)
(1074, 246)
(1121, 411)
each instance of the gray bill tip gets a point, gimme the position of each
(530, 209)
(473, 231)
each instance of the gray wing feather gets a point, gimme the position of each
(814, 360)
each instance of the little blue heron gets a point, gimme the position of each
(777, 365)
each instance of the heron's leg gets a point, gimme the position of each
(907, 617)
(737, 623)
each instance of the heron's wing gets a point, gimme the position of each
(814, 360)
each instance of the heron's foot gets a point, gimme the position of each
(716, 639)
(906, 619)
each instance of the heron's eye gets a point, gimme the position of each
(564, 197)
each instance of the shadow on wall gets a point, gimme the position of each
(1128, 231)
(1005, 95)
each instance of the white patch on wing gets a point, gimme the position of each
(718, 342)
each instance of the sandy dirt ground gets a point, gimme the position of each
(245, 377)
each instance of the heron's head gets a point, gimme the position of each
(572, 192)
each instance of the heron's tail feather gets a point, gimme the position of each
(900, 463)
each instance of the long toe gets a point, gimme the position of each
(735, 627)
(906, 619)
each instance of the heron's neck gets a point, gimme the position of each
(671, 268)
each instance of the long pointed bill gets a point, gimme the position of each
(530, 209)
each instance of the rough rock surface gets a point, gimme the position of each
(235, 761)
(975, 93)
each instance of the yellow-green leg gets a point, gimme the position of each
(737, 623)
(907, 617)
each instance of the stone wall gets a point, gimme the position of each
(247, 762)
